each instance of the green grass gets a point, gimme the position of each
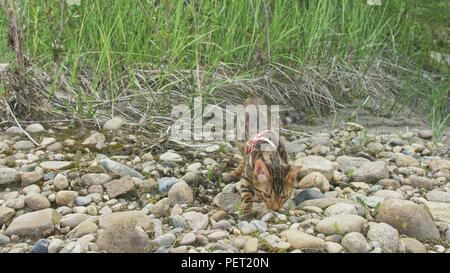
(244, 40)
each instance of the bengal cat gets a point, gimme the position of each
(265, 175)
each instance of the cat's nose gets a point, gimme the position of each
(276, 206)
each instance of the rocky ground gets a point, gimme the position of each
(361, 191)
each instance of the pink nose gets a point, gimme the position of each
(275, 206)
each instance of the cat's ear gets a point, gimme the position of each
(293, 175)
(261, 172)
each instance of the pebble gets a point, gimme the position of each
(188, 239)
(180, 193)
(355, 242)
(170, 157)
(66, 198)
(60, 182)
(307, 194)
(247, 228)
(41, 246)
(113, 124)
(275, 242)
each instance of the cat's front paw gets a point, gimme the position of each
(248, 216)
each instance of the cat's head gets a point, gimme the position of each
(274, 184)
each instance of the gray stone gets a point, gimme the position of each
(47, 141)
(222, 224)
(371, 201)
(300, 240)
(55, 165)
(97, 139)
(389, 183)
(307, 194)
(90, 179)
(113, 124)
(420, 182)
(251, 245)
(294, 147)
(74, 219)
(6, 214)
(15, 130)
(228, 201)
(275, 242)
(60, 182)
(180, 193)
(314, 179)
(165, 183)
(188, 239)
(408, 218)
(8, 176)
(332, 247)
(355, 242)
(350, 162)
(165, 240)
(170, 156)
(246, 228)
(35, 128)
(86, 227)
(24, 145)
(340, 208)
(438, 196)
(125, 236)
(413, 246)
(440, 165)
(55, 245)
(34, 224)
(260, 225)
(41, 246)
(66, 198)
(315, 164)
(385, 235)
(118, 168)
(16, 203)
(29, 178)
(396, 142)
(217, 235)
(193, 177)
(402, 160)
(426, 134)
(140, 217)
(161, 208)
(196, 220)
(212, 148)
(36, 201)
(4, 240)
(83, 200)
(341, 224)
(440, 211)
(371, 172)
(389, 194)
(324, 203)
(119, 186)
(177, 221)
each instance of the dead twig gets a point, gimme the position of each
(18, 124)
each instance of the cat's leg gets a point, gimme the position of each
(247, 195)
(237, 173)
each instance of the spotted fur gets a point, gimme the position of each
(264, 175)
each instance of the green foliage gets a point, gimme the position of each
(107, 38)
(2, 91)
(440, 110)
(109, 35)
